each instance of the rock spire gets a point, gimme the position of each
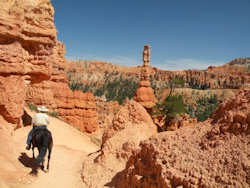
(145, 94)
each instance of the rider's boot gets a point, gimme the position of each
(28, 147)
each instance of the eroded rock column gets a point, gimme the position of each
(145, 94)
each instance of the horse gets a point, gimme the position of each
(42, 139)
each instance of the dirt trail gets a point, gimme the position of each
(70, 149)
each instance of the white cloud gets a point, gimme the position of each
(185, 64)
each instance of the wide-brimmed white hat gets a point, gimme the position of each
(42, 109)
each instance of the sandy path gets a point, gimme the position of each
(70, 149)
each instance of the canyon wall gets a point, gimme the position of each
(76, 108)
(27, 42)
(33, 66)
(224, 77)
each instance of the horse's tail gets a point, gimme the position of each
(45, 145)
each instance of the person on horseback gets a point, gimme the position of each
(39, 121)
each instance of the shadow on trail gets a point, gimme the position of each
(115, 179)
(30, 163)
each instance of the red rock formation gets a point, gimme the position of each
(12, 95)
(28, 36)
(145, 94)
(131, 125)
(76, 108)
(27, 42)
(106, 111)
(172, 160)
(209, 155)
(132, 114)
(223, 77)
(43, 93)
(233, 115)
(30, 51)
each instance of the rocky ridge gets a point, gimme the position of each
(208, 155)
(222, 77)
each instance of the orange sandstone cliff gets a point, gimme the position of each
(76, 108)
(27, 42)
(32, 66)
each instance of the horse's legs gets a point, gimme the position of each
(33, 152)
(42, 166)
(50, 148)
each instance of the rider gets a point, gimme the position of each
(39, 121)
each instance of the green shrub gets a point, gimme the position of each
(119, 89)
(196, 86)
(169, 108)
(114, 88)
(205, 107)
(172, 106)
(75, 86)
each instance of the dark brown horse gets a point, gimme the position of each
(42, 139)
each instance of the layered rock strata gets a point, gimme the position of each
(32, 66)
(76, 108)
(27, 42)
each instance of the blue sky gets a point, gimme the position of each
(183, 34)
